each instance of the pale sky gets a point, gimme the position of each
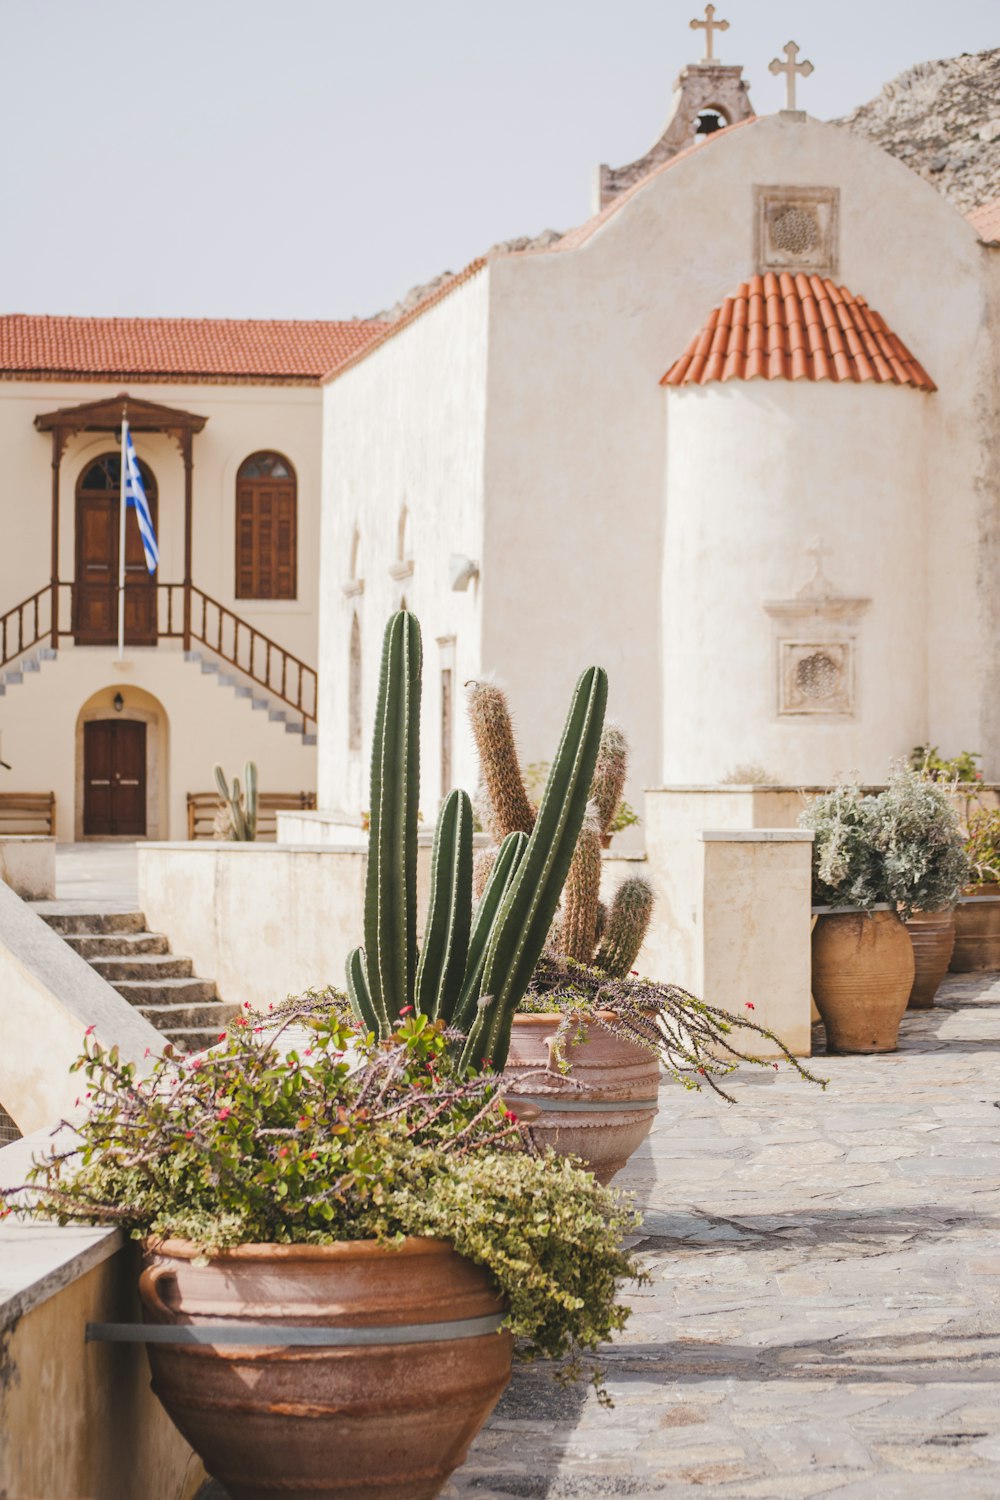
(314, 158)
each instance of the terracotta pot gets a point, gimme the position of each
(334, 1422)
(603, 1122)
(862, 974)
(977, 929)
(933, 936)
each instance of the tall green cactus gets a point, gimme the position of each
(472, 971)
(583, 931)
(240, 802)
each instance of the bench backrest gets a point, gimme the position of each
(203, 806)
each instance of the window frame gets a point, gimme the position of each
(255, 594)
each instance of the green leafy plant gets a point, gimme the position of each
(586, 930)
(961, 767)
(982, 845)
(343, 1138)
(472, 971)
(902, 847)
(239, 804)
(696, 1043)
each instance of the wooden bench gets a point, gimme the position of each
(28, 812)
(203, 806)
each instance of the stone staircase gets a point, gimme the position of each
(141, 967)
(30, 662)
(258, 699)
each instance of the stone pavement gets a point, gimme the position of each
(824, 1313)
(102, 873)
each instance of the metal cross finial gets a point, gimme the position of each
(709, 26)
(790, 67)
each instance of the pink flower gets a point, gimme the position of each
(775, 1066)
(188, 1135)
(510, 1115)
(406, 1010)
(283, 1151)
(750, 1005)
(90, 1031)
(222, 1036)
(146, 1053)
(246, 1005)
(224, 1113)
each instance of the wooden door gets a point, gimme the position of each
(114, 778)
(96, 593)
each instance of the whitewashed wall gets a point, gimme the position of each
(404, 428)
(755, 472)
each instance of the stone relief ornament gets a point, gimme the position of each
(797, 229)
(816, 647)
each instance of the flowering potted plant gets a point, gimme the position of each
(339, 1236)
(877, 861)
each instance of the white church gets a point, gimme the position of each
(736, 437)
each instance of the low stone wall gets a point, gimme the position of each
(49, 996)
(77, 1419)
(263, 920)
(28, 865)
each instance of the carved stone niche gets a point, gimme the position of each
(816, 650)
(797, 229)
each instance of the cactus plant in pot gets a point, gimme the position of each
(338, 1257)
(591, 1035)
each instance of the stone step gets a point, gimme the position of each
(149, 967)
(193, 1039)
(139, 992)
(91, 945)
(213, 1017)
(91, 922)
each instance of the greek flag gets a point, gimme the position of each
(135, 496)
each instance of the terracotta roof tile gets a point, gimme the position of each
(796, 327)
(985, 220)
(211, 349)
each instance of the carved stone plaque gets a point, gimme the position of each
(797, 229)
(816, 677)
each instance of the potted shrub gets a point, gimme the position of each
(340, 1234)
(876, 861)
(977, 916)
(589, 1036)
(925, 867)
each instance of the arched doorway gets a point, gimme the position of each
(95, 596)
(121, 765)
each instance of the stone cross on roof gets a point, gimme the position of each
(790, 68)
(709, 26)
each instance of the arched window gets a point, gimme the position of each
(709, 121)
(354, 688)
(265, 528)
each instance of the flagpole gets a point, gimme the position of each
(121, 547)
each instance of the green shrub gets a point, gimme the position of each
(903, 847)
(345, 1139)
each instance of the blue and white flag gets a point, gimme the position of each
(135, 496)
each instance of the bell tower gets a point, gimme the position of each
(708, 96)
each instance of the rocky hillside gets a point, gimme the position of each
(943, 120)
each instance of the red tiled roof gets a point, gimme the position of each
(796, 327)
(177, 348)
(985, 220)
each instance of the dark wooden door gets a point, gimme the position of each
(96, 594)
(114, 778)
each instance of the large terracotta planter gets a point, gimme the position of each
(977, 930)
(604, 1121)
(933, 936)
(862, 974)
(391, 1418)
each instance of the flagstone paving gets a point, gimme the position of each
(824, 1311)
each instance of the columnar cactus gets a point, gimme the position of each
(585, 931)
(240, 804)
(473, 970)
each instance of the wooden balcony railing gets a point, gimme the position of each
(282, 674)
(184, 613)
